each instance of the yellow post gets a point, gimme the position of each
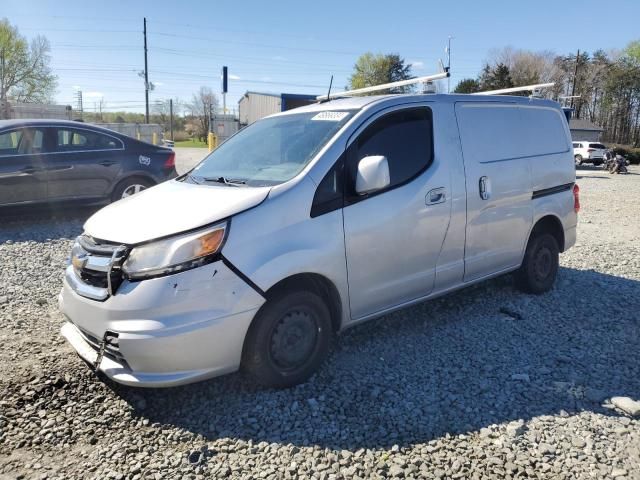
(138, 134)
(212, 141)
(154, 138)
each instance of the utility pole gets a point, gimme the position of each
(171, 117)
(224, 90)
(3, 94)
(449, 64)
(79, 103)
(146, 75)
(575, 74)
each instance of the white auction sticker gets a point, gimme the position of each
(330, 116)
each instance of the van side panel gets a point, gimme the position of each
(493, 138)
(450, 264)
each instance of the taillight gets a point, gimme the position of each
(171, 161)
(576, 198)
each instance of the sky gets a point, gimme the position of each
(292, 46)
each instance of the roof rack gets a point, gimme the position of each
(533, 88)
(384, 86)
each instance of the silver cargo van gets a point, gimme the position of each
(316, 219)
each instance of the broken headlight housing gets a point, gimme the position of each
(175, 254)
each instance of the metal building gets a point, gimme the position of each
(256, 105)
(223, 126)
(38, 110)
(582, 129)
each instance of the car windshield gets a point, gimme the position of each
(270, 151)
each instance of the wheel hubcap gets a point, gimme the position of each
(293, 340)
(132, 190)
(542, 263)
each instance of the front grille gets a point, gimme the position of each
(111, 351)
(99, 279)
(101, 259)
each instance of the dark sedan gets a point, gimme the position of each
(49, 161)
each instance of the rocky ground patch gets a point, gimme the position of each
(484, 383)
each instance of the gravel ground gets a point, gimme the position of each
(483, 383)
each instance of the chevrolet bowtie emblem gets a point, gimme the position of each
(79, 261)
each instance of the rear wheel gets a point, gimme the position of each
(539, 268)
(288, 340)
(130, 186)
(578, 159)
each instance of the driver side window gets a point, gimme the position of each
(404, 137)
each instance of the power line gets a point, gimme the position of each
(92, 30)
(251, 44)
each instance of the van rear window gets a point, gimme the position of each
(493, 132)
(597, 145)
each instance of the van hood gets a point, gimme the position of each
(169, 208)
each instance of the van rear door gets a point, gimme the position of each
(498, 182)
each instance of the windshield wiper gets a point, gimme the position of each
(236, 182)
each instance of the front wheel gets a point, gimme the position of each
(539, 268)
(288, 340)
(578, 159)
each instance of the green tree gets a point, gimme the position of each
(467, 85)
(633, 51)
(495, 78)
(375, 69)
(25, 73)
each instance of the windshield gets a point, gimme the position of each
(270, 151)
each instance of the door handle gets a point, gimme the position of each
(485, 188)
(108, 163)
(435, 196)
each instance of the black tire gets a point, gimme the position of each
(578, 159)
(127, 183)
(288, 340)
(597, 163)
(539, 268)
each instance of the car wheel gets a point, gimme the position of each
(130, 186)
(288, 339)
(539, 268)
(578, 159)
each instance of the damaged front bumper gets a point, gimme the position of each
(169, 330)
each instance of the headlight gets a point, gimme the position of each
(175, 254)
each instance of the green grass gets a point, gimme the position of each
(190, 143)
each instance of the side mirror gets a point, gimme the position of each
(373, 174)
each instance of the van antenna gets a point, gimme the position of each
(329, 92)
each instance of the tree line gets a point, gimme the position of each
(606, 85)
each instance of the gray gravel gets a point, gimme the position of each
(483, 383)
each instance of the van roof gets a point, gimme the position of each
(360, 102)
